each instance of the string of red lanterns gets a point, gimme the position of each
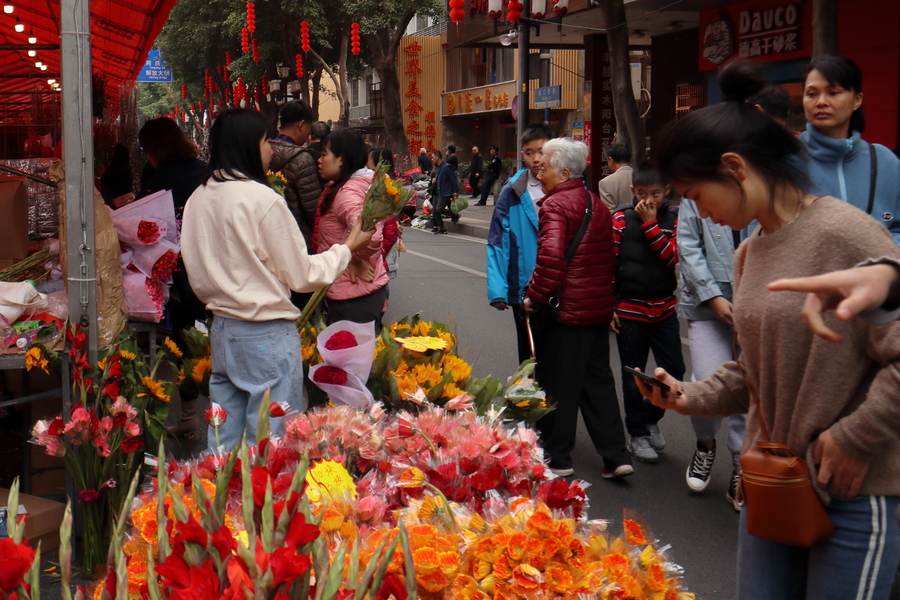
(513, 11)
(456, 10)
(251, 17)
(245, 40)
(183, 92)
(255, 50)
(354, 38)
(304, 36)
(298, 63)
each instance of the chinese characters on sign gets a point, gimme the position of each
(494, 97)
(773, 31)
(155, 69)
(414, 109)
(605, 125)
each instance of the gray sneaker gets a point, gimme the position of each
(656, 438)
(642, 450)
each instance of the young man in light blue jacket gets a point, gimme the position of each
(512, 239)
(705, 252)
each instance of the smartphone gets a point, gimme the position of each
(649, 379)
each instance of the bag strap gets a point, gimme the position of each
(579, 235)
(735, 350)
(873, 175)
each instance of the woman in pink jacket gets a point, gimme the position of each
(359, 294)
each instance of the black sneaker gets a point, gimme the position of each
(698, 472)
(732, 495)
(455, 218)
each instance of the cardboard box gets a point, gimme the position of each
(48, 482)
(42, 521)
(14, 224)
(41, 461)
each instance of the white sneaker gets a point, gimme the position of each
(699, 470)
(642, 450)
(562, 472)
(656, 438)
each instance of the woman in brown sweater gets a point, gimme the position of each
(835, 404)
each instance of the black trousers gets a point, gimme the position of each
(473, 181)
(486, 187)
(442, 209)
(522, 344)
(635, 340)
(363, 309)
(573, 368)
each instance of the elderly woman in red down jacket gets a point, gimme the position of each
(573, 346)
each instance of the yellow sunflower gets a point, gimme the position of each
(199, 371)
(457, 367)
(155, 388)
(127, 354)
(421, 328)
(173, 347)
(427, 374)
(35, 358)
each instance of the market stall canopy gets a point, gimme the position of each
(122, 32)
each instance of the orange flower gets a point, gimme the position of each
(155, 388)
(628, 589)
(173, 347)
(432, 582)
(515, 547)
(559, 579)
(449, 562)
(616, 564)
(634, 533)
(482, 569)
(203, 365)
(539, 522)
(420, 535)
(502, 568)
(526, 579)
(412, 478)
(426, 560)
(655, 579)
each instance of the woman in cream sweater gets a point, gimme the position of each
(244, 253)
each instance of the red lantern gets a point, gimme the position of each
(227, 59)
(245, 40)
(514, 11)
(561, 7)
(304, 36)
(193, 107)
(456, 10)
(495, 9)
(200, 104)
(255, 51)
(176, 109)
(183, 92)
(251, 17)
(265, 82)
(538, 9)
(256, 94)
(354, 39)
(298, 61)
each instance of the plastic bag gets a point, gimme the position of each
(18, 298)
(459, 204)
(354, 393)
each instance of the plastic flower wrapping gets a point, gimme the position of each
(384, 198)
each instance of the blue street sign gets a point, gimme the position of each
(155, 69)
(548, 97)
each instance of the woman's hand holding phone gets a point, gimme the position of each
(674, 399)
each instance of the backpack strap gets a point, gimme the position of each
(873, 175)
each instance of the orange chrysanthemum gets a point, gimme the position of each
(628, 588)
(634, 533)
(449, 562)
(616, 564)
(655, 579)
(559, 579)
(422, 535)
(526, 579)
(426, 560)
(502, 569)
(540, 523)
(412, 478)
(515, 547)
(432, 582)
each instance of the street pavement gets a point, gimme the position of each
(443, 276)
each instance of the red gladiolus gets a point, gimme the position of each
(56, 427)
(392, 585)
(260, 479)
(331, 375)
(300, 532)
(190, 532)
(88, 495)
(287, 565)
(112, 389)
(275, 410)
(239, 580)
(132, 444)
(341, 340)
(115, 368)
(15, 562)
(223, 542)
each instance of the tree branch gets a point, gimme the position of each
(331, 73)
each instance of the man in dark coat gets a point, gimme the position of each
(493, 175)
(476, 167)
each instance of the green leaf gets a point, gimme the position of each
(408, 565)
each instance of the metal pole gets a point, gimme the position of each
(524, 38)
(78, 152)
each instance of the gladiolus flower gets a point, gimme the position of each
(216, 415)
(287, 565)
(412, 478)
(88, 495)
(15, 562)
(300, 532)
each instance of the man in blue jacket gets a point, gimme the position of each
(512, 239)
(447, 191)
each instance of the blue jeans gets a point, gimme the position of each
(249, 358)
(858, 562)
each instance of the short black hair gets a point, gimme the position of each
(691, 148)
(296, 111)
(348, 145)
(535, 132)
(319, 130)
(437, 154)
(647, 174)
(619, 152)
(774, 101)
(234, 145)
(847, 74)
(451, 149)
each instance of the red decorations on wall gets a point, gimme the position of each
(538, 9)
(183, 92)
(265, 83)
(255, 50)
(304, 36)
(513, 11)
(227, 59)
(298, 62)
(245, 40)
(354, 39)
(456, 10)
(561, 7)
(193, 107)
(176, 109)
(251, 17)
(256, 94)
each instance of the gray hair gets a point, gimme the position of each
(566, 153)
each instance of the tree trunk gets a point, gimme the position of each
(394, 132)
(338, 90)
(344, 96)
(825, 29)
(623, 97)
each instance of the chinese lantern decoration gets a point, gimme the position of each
(456, 10)
(183, 92)
(304, 36)
(561, 8)
(193, 107)
(176, 109)
(227, 95)
(354, 38)
(256, 94)
(251, 17)
(538, 9)
(227, 59)
(298, 61)
(200, 105)
(245, 40)
(495, 9)
(514, 11)
(265, 82)
(255, 49)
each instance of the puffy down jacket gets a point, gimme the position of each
(585, 285)
(303, 186)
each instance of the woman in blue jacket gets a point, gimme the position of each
(840, 161)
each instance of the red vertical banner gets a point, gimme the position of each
(587, 140)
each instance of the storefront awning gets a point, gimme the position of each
(122, 32)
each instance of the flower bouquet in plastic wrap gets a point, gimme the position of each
(385, 197)
(346, 350)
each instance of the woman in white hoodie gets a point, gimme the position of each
(244, 253)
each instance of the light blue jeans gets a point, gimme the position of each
(858, 562)
(249, 358)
